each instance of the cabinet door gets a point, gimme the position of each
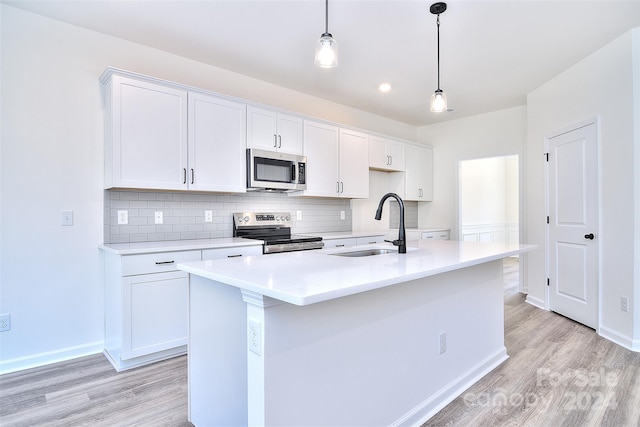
(418, 173)
(321, 149)
(217, 156)
(289, 134)
(378, 158)
(261, 129)
(155, 313)
(354, 164)
(395, 151)
(146, 136)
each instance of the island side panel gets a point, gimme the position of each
(374, 358)
(217, 361)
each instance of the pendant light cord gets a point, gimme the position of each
(326, 16)
(438, 24)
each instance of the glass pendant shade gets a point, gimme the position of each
(438, 102)
(326, 51)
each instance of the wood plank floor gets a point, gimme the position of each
(559, 373)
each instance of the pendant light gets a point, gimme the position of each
(439, 98)
(327, 46)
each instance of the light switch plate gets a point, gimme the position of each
(159, 217)
(123, 217)
(254, 335)
(66, 218)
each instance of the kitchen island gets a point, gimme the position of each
(315, 338)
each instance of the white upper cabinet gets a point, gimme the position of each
(353, 164)
(273, 131)
(337, 161)
(386, 155)
(217, 156)
(418, 173)
(163, 137)
(146, 135)
(321, 149)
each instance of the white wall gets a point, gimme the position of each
(51, 153)
(494, 134)
(604, 85)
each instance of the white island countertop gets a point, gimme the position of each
(308, 277)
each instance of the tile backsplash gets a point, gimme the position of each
(183, 214)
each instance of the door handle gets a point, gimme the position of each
(589, 236)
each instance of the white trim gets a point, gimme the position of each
(430, 407)
(49, 357)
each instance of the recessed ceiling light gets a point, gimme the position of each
(384, 87)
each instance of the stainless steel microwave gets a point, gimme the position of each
(274, 171)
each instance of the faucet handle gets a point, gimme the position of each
(395, 242)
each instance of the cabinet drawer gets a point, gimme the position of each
(339, 243)
(231, 252)
(369, 240)
(436, 235)
(156, 262)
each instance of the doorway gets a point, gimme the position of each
(489, 199)
(489, 203)
(572, 223)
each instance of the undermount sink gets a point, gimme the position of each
(367, 252)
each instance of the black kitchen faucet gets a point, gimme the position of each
(401, 243)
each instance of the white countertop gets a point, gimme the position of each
(176, 245)
(308, 277)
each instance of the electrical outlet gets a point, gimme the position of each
(342, 216)
(208, 216)
(624, 303)
(159, 217)
(299, 215)
(123, 217)
(254, 336)
(5, 322)
(443, 342)
(66, 218)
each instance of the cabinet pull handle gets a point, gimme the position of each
(341, 187)
(339, 246)
(275, 141)
(234, 256)
(390, 160)
(184, 175)
(279, 141)
(193, 176)
(338, 187)
(371, 243)
(164, 262)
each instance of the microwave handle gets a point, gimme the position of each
(293, 172)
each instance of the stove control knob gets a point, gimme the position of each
(246, 218)
(288, 218)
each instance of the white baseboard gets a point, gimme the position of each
(622, 340)
(41, 359)
(536, 302)
(427, 409)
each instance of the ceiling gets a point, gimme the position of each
(492, 53)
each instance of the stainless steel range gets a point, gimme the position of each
(274, 228)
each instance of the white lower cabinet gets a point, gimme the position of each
(146, 307)
(154, 313)
(339, 243)
(435, 235)
(370, 240)
(231, 252)
(147, 303)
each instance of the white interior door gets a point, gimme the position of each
(573, 224)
